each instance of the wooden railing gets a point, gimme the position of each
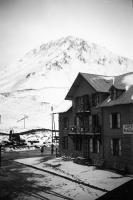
(84, 130)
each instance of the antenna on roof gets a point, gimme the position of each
(25, 117)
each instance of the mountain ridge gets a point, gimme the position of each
(44, 75)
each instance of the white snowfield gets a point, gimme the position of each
(42, 78)
(103, 179)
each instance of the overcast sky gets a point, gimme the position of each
(24, 24)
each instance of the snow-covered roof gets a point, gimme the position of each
(63, 107)
(100, 83)
(124, 80)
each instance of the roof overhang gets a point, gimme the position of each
(75, 85)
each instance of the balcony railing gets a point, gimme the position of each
(85, 130)
(82, 107)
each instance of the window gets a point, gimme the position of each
(95, 99)
(78, 143)
(115, 120)
(95, 120)
(82, 103)
(86, 104)
(86, 123)
(116, 147)
(65, 122)
(115, 93)
(65, 142)
(79, 104)
(82, 123)
(94, 145)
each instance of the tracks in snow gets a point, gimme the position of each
(67, 178)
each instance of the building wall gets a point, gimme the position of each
(83, 89)
(125, 160)
(70, 150)
(64, 133)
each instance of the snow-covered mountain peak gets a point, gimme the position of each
(64, 50)
(44, 75)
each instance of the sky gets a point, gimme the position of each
(25, 24)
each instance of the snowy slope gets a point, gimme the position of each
(43, 76)
(62, 58)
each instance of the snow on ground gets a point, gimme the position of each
(32, 141)
(88, 174)
(60, 188)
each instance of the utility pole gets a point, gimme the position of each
(0, 154)
(52, 116)
(23, 119)
(55, 139)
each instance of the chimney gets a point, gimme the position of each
(113, 80)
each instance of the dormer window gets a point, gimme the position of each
(115, 93)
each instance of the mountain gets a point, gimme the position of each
(43, 76)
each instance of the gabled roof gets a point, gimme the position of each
(99, 83)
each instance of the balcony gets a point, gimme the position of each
(82, 108)
(82, 104)
(95, 130)
(85, 130)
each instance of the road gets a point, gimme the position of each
(19, 182)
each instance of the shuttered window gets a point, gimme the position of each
(119, 147)
(118, 119)
(116, 147)
(111, 146)
(90, 122)
(94, 145)
(91, 145)
(114, 120)
(110, 120)
(98, 146)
